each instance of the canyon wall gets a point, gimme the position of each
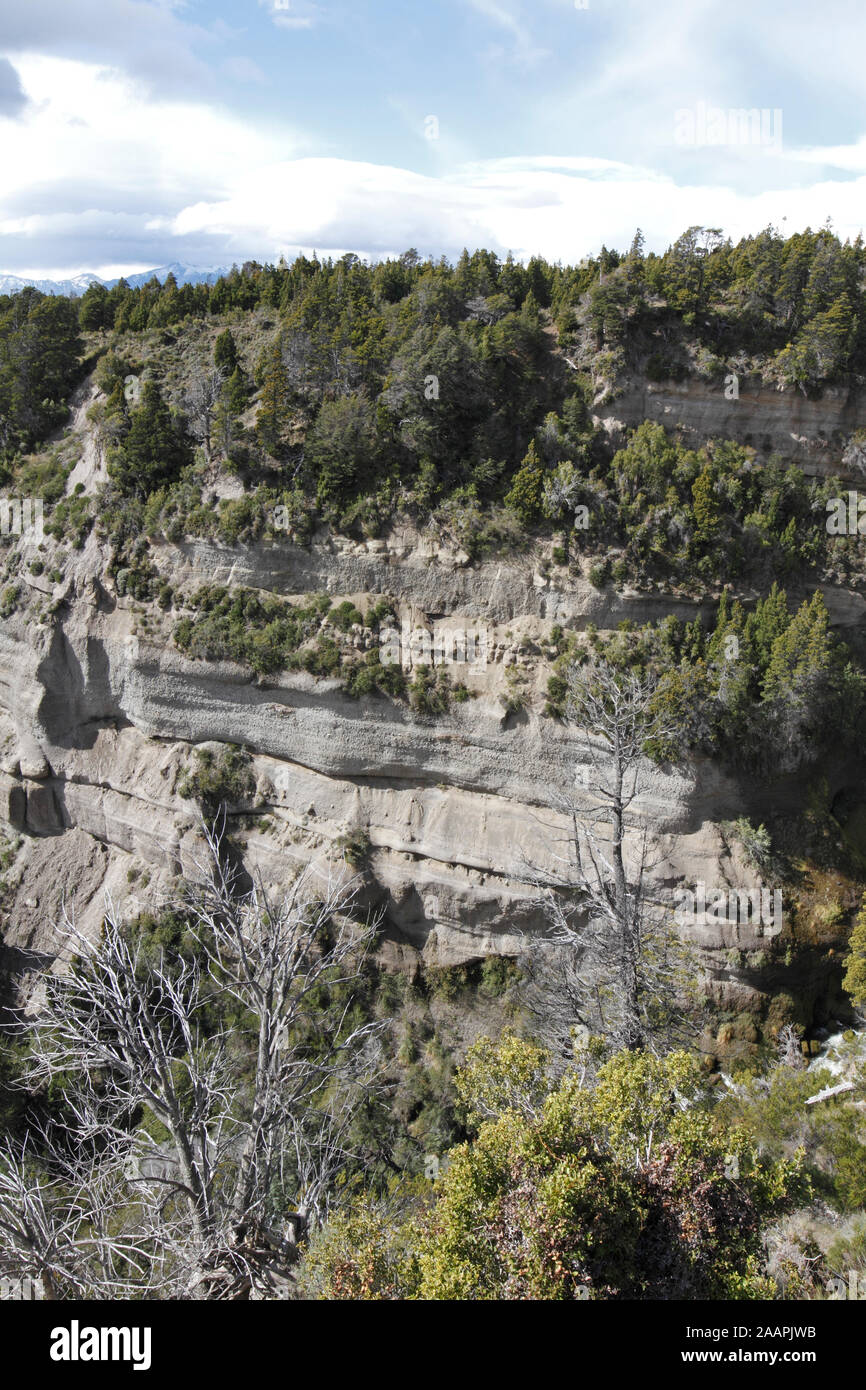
(100, 715)
(811, 433)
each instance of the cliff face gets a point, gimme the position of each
(100, 713)
(98, 721)
(460, 809)
(809, 433)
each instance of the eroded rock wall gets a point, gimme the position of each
(811, 433)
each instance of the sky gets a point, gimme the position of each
(138, 132)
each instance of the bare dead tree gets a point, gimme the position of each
(613, 963)
(200, 402)
(272, 957)
(790, 1052)
(67, 1221)
(299, 355)
(106, 1208)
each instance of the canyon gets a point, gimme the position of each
(460, 812)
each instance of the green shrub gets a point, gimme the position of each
(221, 777)
(344, 615)
(355, 847)
(497, 973)
(259, 631)
(71, 519)
(9, 600)
(756, 841)
(382, 613)
(557, 694)
(430, 690)
(321, 660)
(516, 697)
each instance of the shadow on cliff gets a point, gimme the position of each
(16, 964)
(77, 699)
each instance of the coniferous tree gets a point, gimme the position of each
(855, 974)
(526, 493)
(236, 392)
(342, 450)
(225, 352)
(802, 651)
(39, 349)
(154, 449)
(273, 414)
(706, 507)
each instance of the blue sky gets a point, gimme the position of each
(134, 132)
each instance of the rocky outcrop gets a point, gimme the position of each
(459, 811)
(97, 720)
(810, 433)
(100, 714)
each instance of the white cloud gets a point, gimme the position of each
(93, 150)
(293, 14)
(851, 157)
(561, 208)
(509, 19)
(150, 41)
(140, 142)
(95, 173)
(13, 99)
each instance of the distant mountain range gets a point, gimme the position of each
(183, 274)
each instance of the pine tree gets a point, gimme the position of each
(115, 406)
(513, 280)
(797, 256)
(527, 489)
(225, 429)
(154, 449)
(827, 280)
(225, 352)
(705, 506)
(802, 651)
(854, 981)
(273, 415)
(539, 276)
(94, 309)
(236, 392)
(635, 268)
(342, 450)
(769, 620)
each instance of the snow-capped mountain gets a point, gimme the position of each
(184, 275)
(10, 284)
